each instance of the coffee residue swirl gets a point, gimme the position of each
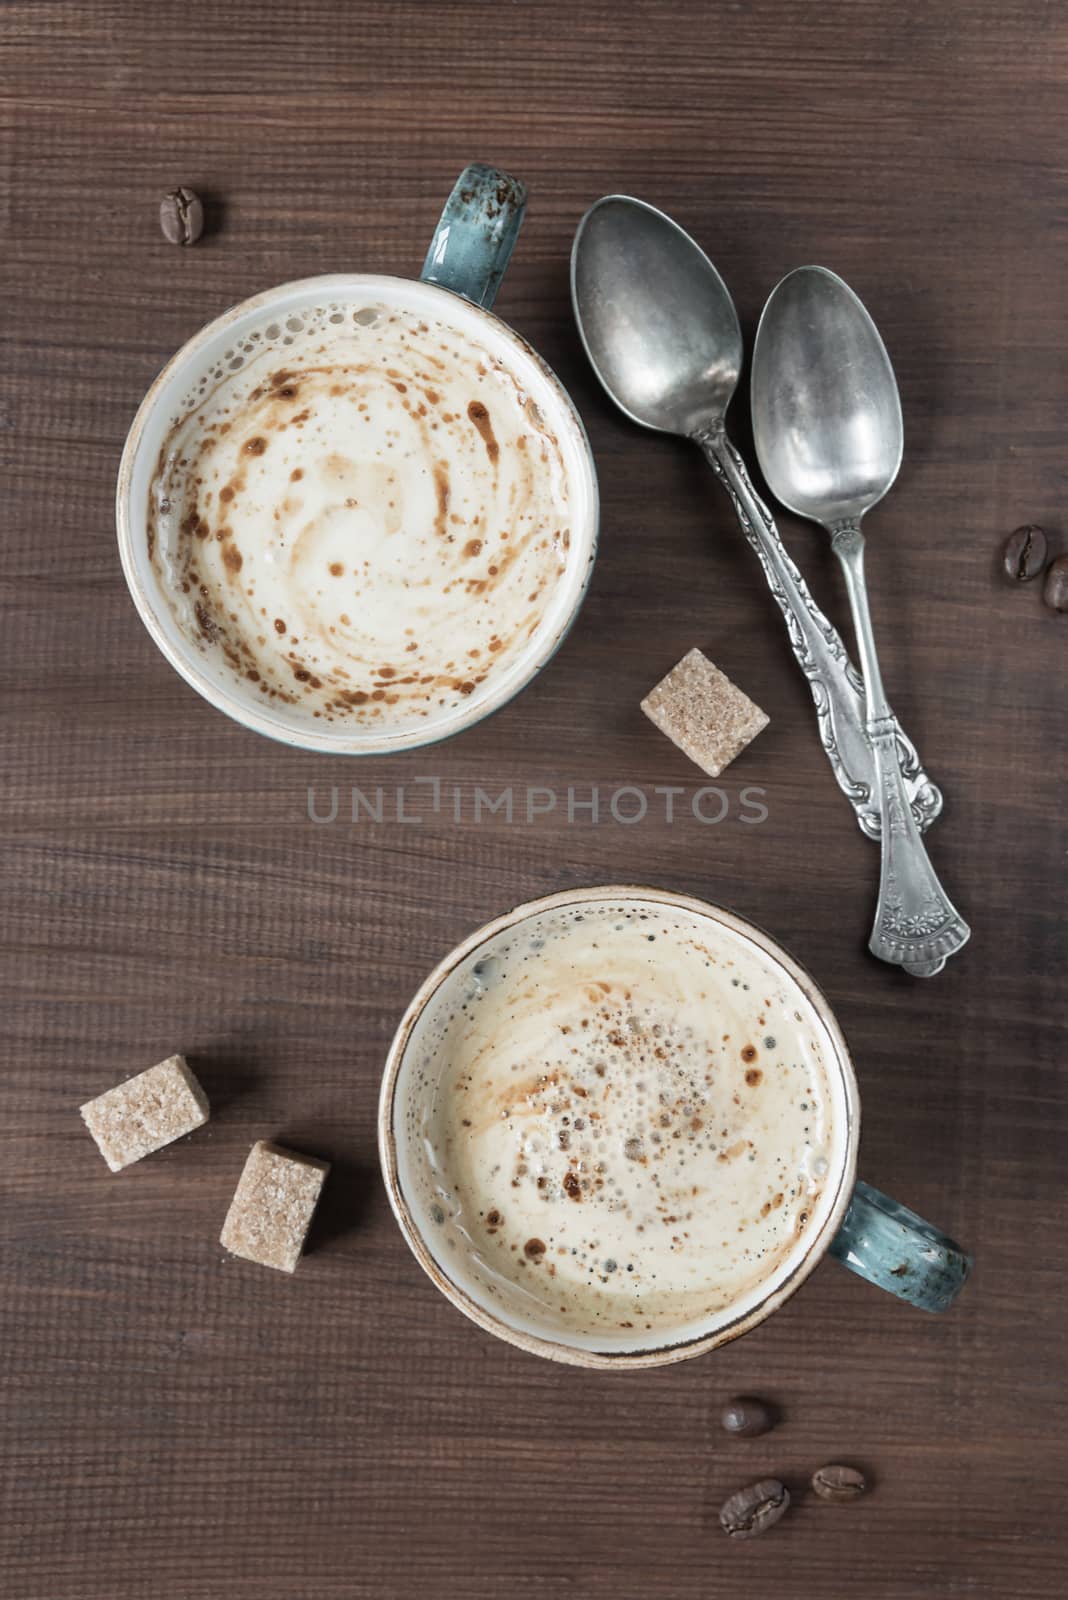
(625, 1117)
(362, 513)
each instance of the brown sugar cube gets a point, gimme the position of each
(701, 711)
(273, 1205)
(145, 1113)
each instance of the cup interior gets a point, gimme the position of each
(422, 1189)
(222, 346)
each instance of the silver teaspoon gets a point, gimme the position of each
(828, 432)
(662, 335)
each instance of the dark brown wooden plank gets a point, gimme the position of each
(176, 1423)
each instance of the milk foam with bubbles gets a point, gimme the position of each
(364, 514)
(623, 1118)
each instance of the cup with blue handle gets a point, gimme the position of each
(355, 558)
(557, 1187)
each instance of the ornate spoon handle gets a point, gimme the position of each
(837, 687)
(917, 926)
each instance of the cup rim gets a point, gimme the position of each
(184, 660)
(653, 1356)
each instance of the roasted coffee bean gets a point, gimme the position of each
(745, 1418)
(1055, 589)
(181, 216)
(1025, 553)
(839, 1484)
(749, 1511)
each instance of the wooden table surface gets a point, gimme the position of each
(176, 1423)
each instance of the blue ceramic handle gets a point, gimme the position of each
(891, 1246)
(474, 238)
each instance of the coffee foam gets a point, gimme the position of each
(363, 513)
(618, 1121)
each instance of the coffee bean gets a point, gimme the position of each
(839, 1484)
(181, 216)
(749, 1511)
(746, 1418)
(1025, 553)
(1055, 589)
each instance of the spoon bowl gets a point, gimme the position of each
(826, 410)
(655, 317)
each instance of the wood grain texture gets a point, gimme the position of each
(179, 1424)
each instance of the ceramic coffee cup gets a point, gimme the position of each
(875, 1236)
(460, 277)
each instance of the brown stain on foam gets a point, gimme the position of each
(480, 416)
(441, 494)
